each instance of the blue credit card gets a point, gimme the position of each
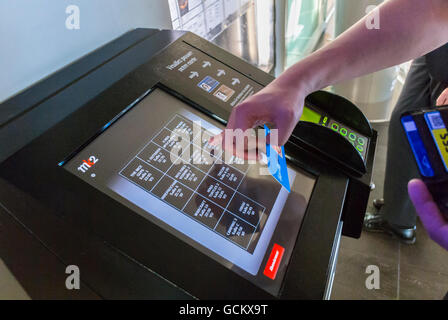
(277, 163)
(208, 84)
(418, 148)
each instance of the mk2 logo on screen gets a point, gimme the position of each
(88, 164)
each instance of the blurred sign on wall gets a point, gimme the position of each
(206, 18)
(243, 27)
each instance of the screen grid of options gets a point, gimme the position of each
(180, 167)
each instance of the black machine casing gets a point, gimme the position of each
(50, 219)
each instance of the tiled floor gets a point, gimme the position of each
(419, 271)
(10, 289)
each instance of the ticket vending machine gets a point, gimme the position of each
(92, 177)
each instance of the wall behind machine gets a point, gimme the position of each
(36, 42)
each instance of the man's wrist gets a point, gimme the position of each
(306, 76)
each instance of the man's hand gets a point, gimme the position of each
(277, 105)
(443, 98)
(429, 213)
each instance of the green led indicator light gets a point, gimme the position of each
(352, 136)
(335, 127)
(344, 132)
(360, 148)
(325, 120)
(361, 141)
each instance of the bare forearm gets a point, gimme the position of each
(408, 29)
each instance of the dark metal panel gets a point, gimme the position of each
(39, 249)
(358, 196)
(308, 271)
(40, 272)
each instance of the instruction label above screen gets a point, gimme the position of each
(200, 73)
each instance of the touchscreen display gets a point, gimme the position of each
(228, 210)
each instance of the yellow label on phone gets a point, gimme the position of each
(441, 137)
(439, 133)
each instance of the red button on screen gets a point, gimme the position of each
(274, 261)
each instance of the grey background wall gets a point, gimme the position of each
(34, 40)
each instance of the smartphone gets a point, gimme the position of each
(427, 134)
